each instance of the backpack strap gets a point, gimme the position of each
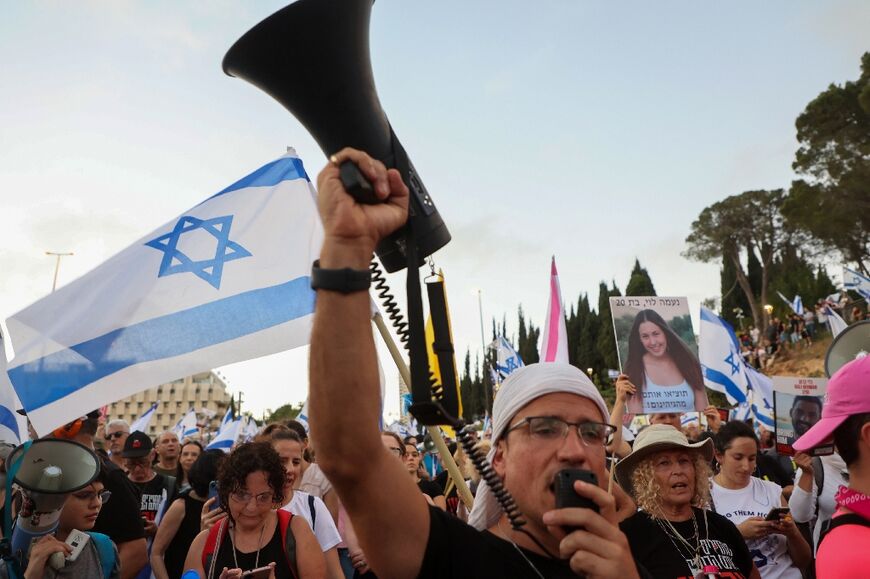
(212, 544)
(289, 541)
(819, 479)
(847, 519)
(312, 510)
(105, 551)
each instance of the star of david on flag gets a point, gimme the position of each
(211, 269)
(226, 281)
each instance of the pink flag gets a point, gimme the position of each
(555, 345)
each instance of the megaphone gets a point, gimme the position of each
(313, 58)
(851, 343)
(48, 470)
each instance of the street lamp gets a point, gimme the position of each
(57, 265)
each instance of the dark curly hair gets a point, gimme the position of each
(246, 459)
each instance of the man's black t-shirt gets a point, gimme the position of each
(119, 518)
(458, 550)
(723, 546)
(151, 496)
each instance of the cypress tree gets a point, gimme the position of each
(639, 284)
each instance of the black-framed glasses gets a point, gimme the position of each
(551, 428)
(117, 434)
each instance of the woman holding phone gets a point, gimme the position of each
(664, 372)
(255, 534)
(756, 506)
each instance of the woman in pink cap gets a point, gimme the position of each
(842, 549)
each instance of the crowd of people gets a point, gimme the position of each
(354, 501)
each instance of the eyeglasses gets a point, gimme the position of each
(117, 434)
(88, 496)
(140, 462)
(551, 429)
(396, 450)
(266, 498)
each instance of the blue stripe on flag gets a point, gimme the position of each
(269, 175)
(57, 375)
(762, 418)
(731, 388)
(7, 419)
(220, 444)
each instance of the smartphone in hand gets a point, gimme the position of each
(259, 573)
(213, 493)
(776, 514)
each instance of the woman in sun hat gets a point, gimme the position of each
(672, 535)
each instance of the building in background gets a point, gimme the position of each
(206, 392)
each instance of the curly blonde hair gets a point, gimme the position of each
(648, 491)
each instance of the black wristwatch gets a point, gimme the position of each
(344, 280)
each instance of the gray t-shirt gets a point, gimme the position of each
(86, 566)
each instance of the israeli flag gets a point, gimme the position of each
(761, 397)
(250, 430)
(796, 305)
(226, 281)
(852, 280)
(10, 427)
(836, 323)
(142, 423)
(721, 362)
(302, 417)
(227, 436)
(187, 426)
(507, 359)
(227, 419)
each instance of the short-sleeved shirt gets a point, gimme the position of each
(431, 488)
(119, 518)
(843, 554)
(323, 526)
(721, 545)
(87, 565)
(153, 495)
(314, 482)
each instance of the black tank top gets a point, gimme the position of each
(273, 551)
(176, 551)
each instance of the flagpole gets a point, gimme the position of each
(58, 255)
(486, 391)
(434, 432)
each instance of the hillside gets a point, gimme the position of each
(801, 361)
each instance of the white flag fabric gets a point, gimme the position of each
(187, 426)
(249, 430)
(227, 436)
(721, 362)
(554, 347)
(142, 423)
(761, 396)
(836, 323)
(796, 305)
(302, 417)
(852, 280)
(11, 430)
(507, 359)
(224, 282)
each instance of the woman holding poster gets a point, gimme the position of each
(666, 374)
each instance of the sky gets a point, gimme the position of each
(594, 132)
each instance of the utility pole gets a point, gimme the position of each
(239, 405)
(58, 255)
(487, 395)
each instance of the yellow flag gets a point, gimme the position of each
(436, 371)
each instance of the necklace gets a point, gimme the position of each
(672, 533)
(520, 551)
(259, 546)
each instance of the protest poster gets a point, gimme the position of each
(797, 406)
(658, 351)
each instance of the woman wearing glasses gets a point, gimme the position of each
(672, 534)
(255, 534)
(99, 557)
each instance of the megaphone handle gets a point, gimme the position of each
(356, 184)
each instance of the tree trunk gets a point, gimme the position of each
(744, 284)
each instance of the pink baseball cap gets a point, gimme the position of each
(848, 394)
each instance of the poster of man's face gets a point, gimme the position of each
(797, 407)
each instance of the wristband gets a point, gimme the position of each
(345, 280)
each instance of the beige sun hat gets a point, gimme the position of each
(653, 439)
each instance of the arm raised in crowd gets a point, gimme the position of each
(384, 504)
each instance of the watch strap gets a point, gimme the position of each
(344, 280)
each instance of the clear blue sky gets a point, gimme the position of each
(593, 131)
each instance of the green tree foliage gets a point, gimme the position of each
(640, 283)
(832, 201)
(744, 224)
(606, 341)
(471, 388)
(792, 275)
(733, 299)
(527, 340)
(285, 412)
